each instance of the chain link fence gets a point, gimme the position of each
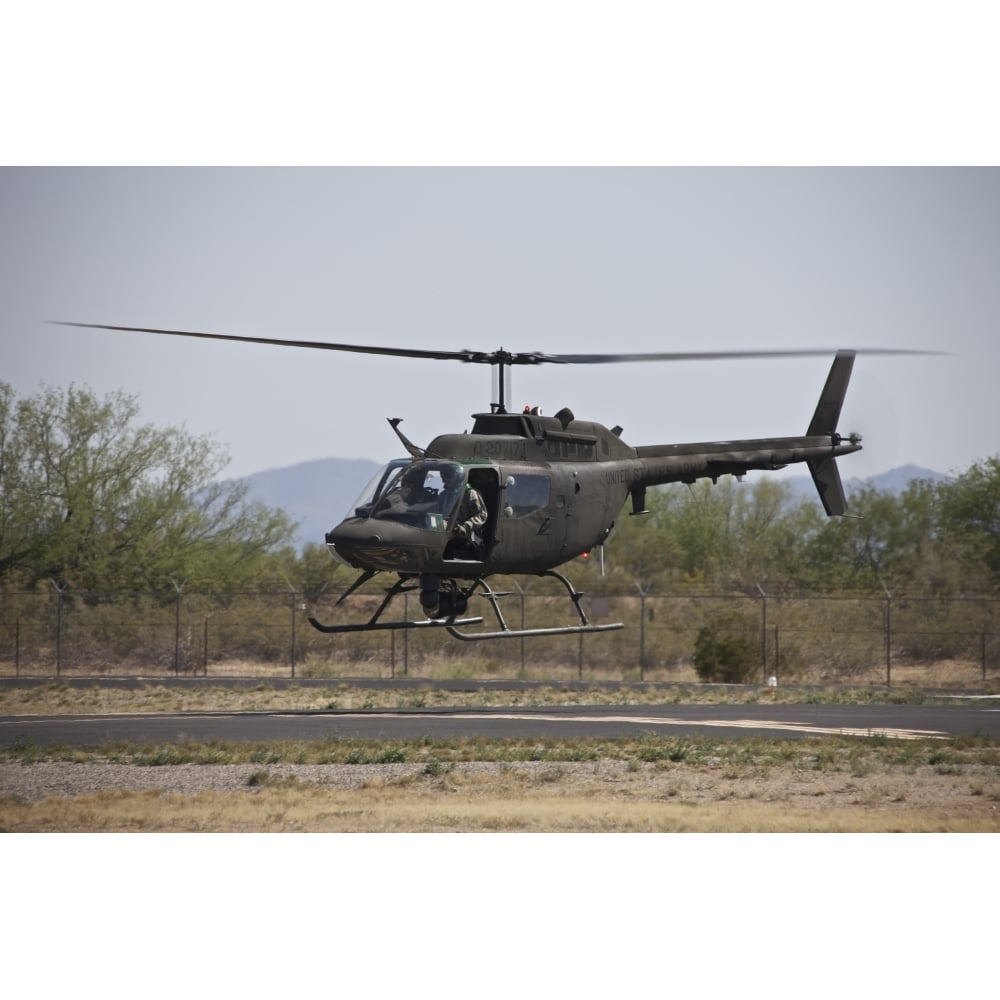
(887, 639)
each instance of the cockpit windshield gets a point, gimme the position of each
(377, 485)
(423, 494)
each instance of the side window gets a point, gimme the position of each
(526, 494)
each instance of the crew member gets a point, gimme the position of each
(470, 518)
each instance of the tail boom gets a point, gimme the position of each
(819, 448)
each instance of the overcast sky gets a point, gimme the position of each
(547, 259)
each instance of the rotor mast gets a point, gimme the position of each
(501, 381)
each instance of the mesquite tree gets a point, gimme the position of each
(92, 500)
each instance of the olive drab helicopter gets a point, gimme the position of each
(544, 489)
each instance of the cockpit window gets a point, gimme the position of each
(377, 485)
(423, 494)
(525, 494)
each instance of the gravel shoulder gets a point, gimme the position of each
(33, 782)
(601, 795)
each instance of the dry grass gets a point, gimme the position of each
(952, 673)
(818, 786)
(58, 698)
(556, 804)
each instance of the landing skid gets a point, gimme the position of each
(506, 632)
(375, 625)
(513, 633)
(386, 626)
(453, 624)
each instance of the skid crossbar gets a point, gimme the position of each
(453, 624)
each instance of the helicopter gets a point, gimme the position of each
(547, 489)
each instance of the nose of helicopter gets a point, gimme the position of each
(349, 539)
(386, 546)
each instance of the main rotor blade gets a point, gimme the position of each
(401, 352)
(604, 359)
(500, 357)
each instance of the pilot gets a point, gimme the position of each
(415, 492)
(412, 487)
(471, 516)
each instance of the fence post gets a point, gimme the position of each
(179, 588)
(521, 594)
(763, 635)
(777, 659)
(888, 636)
(293, 630)
(59, 609)
(523, 610)
(406, 636)
(642, 630)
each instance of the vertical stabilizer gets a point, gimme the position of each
(826, 476)
(824, 471)
(831, 400)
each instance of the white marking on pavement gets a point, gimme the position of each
(653, 720)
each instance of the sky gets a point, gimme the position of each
(553, 259)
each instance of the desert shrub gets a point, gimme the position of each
(727, 650)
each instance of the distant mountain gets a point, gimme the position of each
(895, 481)
(318, 494)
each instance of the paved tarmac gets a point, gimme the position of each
(605, 722)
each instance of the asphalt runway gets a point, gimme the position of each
(605, 722)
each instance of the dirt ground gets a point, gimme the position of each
(598, 796)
